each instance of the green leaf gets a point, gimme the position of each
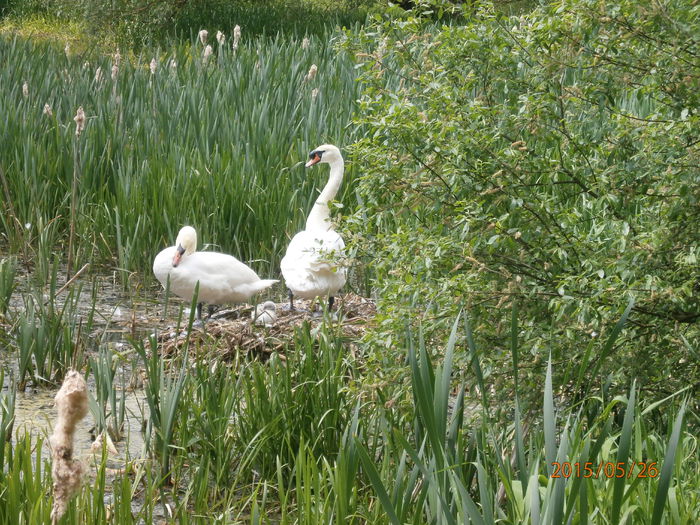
(667, 469)
(550, 444)
(623, 455)
(376, 482)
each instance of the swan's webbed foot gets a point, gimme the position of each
(331, 300)
(211, 308)
(199, 312)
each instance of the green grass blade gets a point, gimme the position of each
(653, 406)
(442, 388)
(533, 488)
(429, 475)
(574, 491)
(623, 451)
(520, 447)
(667, 469)
(484, 494)
(376, 482)
(610, 341)
(514, 344)
(550, 445)
(559, 493)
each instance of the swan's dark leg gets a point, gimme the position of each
(291, 300)
(211, 308)
(199, 311)
(331, 300)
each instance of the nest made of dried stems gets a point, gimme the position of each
(233, 336)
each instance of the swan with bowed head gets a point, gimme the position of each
(222, 278)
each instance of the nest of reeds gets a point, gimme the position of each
(232, 332)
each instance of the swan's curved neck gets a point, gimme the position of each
(319, 218)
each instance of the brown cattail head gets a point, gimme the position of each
(312, 73)
(236, 36)
(72, 406)
(207, 53)
(79, 121)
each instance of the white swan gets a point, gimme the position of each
(309, 266)
(222, 278)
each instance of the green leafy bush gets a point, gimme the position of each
(133, 23)
(549, 162)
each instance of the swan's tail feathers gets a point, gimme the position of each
(263, 284)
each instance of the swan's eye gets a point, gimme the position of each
(314, 157)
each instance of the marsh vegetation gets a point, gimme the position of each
(518, 342)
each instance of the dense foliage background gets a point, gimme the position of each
(521, 201)
(135, 23)
(546, 162)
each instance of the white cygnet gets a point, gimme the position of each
(265, 314)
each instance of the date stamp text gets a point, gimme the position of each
(606, 469)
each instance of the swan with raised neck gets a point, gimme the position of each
(320, 216)
(310, 266)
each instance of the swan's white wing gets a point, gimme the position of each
(310, 266)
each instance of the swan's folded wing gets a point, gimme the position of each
(217, 265)
(313, 264)
(314, 251)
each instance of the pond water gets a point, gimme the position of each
(118, 318)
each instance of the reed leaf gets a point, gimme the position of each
(549, 420)
(610, 341)
(375, 480)
(623, 451)
(662, 489)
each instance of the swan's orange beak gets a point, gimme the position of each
(178, 255)
(315, 159)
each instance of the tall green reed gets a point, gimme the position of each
(444, 472)
(164, 390)
(7, 413)
(51, 332)
(163, 394)
(8, 271)
(24, 483)
(285, 402)
(212, 417)
(215, 145)
(108, 405)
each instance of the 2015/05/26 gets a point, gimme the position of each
(608, 469)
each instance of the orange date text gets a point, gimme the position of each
(604, 469)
